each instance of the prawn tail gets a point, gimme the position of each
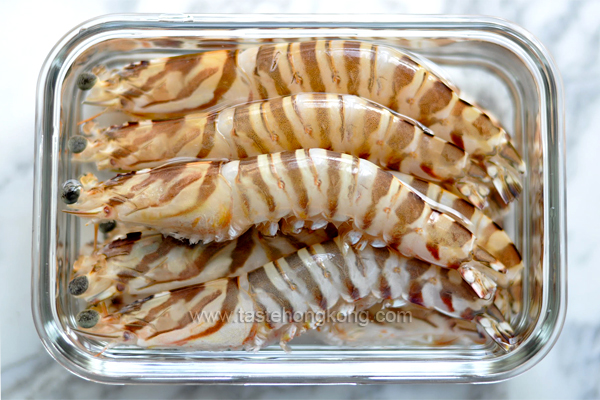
(494, 325)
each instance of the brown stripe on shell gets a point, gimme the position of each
(242, 125)
(456, 138)
(259, 279)
(335, 184)
(267, 61)
(409, 211)
(228, 77)
(420, 185)
(249, 168)
(209, 184)
(208, 135)
(180, 184)
(227, 309)
(337, 258)
(186, 295)
(196, 267)
(485, 126)
(296, 264)
(434, 249)
(189, 88)
(385, 288)
(398, 137)
(188, 317)
(277, 109)
(460, 290)
(464, 208)
(381, 187)
(404, 73)
(308, 54)
(342, 112)
(415, 293)
(166, 245)
(335, 75)
(459, 235)
(372, 119)
(183, 63)
(273, 252)
(446, 298)
(435, 99)
(323, 120)
(352, 64)
(509, 255)
(290, 163)
(166, 174)
(451, 153)
(415, 268)
(121, 247)
(244, 247)
(373, 49)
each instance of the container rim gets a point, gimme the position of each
(555, 251)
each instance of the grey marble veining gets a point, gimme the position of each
(570, 29)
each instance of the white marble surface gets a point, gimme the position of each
(570, 29)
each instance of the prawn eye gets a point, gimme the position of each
(71, 191)
(107, 226)
(77, 144)
(86, 81)
(88, 318)
(78, 285)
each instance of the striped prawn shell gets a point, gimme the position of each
(284, 298)
(140, 264)
(173, 87)
(489, 235)
(342, 123)
(217, 201)
(401, 325)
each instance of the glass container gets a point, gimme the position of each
(497, 64)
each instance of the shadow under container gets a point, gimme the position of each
(498, 63)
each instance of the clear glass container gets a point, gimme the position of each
(495, 63)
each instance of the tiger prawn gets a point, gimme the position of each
(284, 298)
(342, 123)
(142, 263)
(176, 86)
(217, 201)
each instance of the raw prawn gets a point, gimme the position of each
(342, 123)
(489, 235)
(407, 324)
(142, 263)
(284, 298)
(217, 201)
(176, 86)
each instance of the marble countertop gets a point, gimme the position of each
(569, 28)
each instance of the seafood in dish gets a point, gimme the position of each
(217, 201)
(284, 298)
(341, 123)
(176, 86)
(142, 263)
(401, 325)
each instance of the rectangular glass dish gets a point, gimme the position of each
(495, 63)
